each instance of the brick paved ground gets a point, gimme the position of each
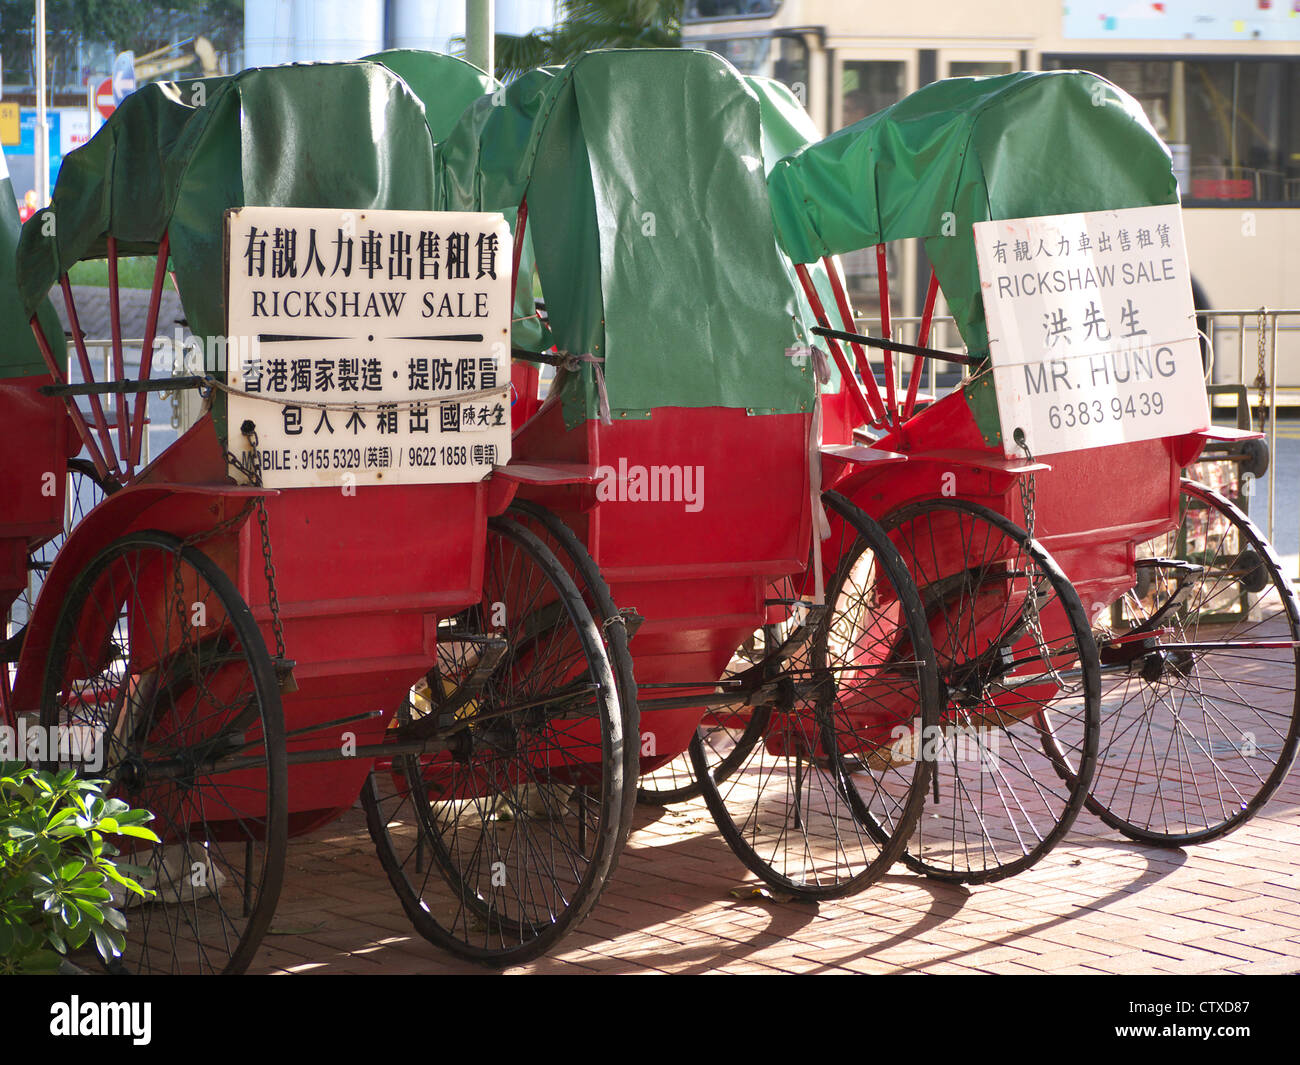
(1097, 904)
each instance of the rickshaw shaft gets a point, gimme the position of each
(235, 763)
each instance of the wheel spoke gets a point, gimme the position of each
(125, 659)
(810, 797)
(1019, 732)
(1201, 731)
(508, 868)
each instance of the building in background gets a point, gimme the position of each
(274, 31)
(288, 31)
(1219, 79)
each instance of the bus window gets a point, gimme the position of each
(962, 69)
(870, 86)
(1232, 124)
(698, 9)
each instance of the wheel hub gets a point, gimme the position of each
(1159, 664)
(133, 773)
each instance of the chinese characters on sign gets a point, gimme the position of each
(1092, 333)
(378, 344)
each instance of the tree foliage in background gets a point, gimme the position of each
(128, 25)
(588, 24)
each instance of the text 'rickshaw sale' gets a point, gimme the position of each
(372, 346)
(1092, 332)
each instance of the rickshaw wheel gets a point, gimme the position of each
(157, 652)
(1017, 743)
(85, 489)
(1195, 741)
(562, 542)
(793, 809)
(503, 842)
(725, 741)
(678, 776)
(724, 745)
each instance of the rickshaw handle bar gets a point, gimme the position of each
(110, 388)
(893, 345)
(233, 763)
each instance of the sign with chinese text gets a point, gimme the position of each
(368, 347)
(1092, 333)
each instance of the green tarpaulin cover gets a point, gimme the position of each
(644, 174)
(174, 157)
(963, 151)
(481, 166)
(19, 355)
(444, 84)
(173, 160)
(786, 129)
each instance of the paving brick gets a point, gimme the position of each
(1228, 906)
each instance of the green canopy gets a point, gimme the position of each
(19, 355)
(444, 84)
(967, 150)
(173, 159)
(649, 217)
(481, 167)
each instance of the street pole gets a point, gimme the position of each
(479, 39)
(42, 131)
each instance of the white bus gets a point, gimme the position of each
(1219, 79)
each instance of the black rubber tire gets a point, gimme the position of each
(821, 847)
(449, 888)
(565, 545)
(1194, 753)
(199, 933)
(995, 813)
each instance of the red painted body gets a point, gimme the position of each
(698, 577)
(360, 610)
(39, 440)
(1091, 507)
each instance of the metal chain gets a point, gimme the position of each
(1033, 622)
(1027, 484)
(178, 581)
(216, 530)
(1261, 382)
(254, 474)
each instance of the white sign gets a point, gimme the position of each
(123, 76)
(368, 347)
(74, 130)
(1092, 333)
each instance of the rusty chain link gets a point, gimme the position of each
(1028, 501)
(254, 473)
(1261, 380)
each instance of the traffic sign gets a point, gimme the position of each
(123, 76)
(104, 102)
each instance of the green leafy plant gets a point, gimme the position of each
(56, 867)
